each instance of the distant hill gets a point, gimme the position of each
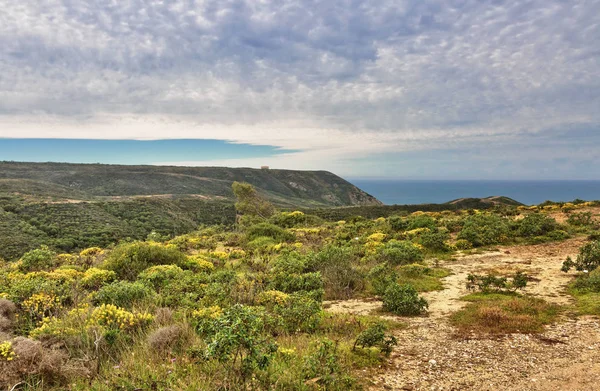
(375, 211)
(493, 200)
(62, 181)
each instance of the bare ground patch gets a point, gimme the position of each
(429, 356)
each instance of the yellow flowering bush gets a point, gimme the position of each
(204, 318)
(273, 297)
(65, 275)
(91, 252)
(219, 255)
(40, 305)
(6, 351)
(66, 258)
(413, 233)
(197, 263)
(94, 278)
(376, 237)
(112, 317)
(52, 327)
(213, 312)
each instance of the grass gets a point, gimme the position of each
(587, 303)
(426, 282)
(499, 314)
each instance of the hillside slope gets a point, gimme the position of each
(87, 181)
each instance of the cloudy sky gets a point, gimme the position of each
(410, 89)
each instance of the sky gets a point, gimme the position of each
(417, 89)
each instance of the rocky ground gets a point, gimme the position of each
(430, 356)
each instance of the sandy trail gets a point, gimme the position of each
(430, 357)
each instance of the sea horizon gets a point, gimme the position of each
(426, 191)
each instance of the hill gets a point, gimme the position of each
(62, 181)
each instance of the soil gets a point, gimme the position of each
(430, 356)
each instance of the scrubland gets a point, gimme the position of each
(288, 301)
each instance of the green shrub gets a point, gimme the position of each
(39, 259)
(186, 291)
(323, 364)
(375, 336)
(262, 244)
(237, 343)
(270, 231)
(588, 282)
(340, 279)
(130, 259)
(123, 294)
(160, 275)
(297, 282)
(484, 229)
(380, 277)
(498, 284)
(463, 244)
(94, 278)
(299, 313)
(558, 235)
(435, 240)
(581, 219)
(403, 300)
(536, 224)
(421, 221)
(398, 223)
(399, 253)
(587, 259)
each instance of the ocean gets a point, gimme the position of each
(401, 192)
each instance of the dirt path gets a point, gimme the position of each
(430, 357)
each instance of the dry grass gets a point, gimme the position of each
(32, 360)
(503, 314)
(167, 338)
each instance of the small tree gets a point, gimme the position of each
(250, 203)
(588, 258)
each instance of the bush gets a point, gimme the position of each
(129, 259)
(297, 282)
(380, 277)
(484, 229)
(161, 275)
(398, 223)
(39, 259)
(323, 365)
(299, 313)
(123, 294)
(587, 259)
(421, 221)
(491, 283)
(403, 300)
(400, 253)
(340, 279)
(94, 278)
(236, 341)
(166, 338)
(375, 336)
(435, 240)
(581, 219)
(536, 224)
(270, 231)
(589, 282)
(463, 244)
(184, 291)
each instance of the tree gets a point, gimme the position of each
(250, 203)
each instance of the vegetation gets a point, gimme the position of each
(240, 305)
(503, 314)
